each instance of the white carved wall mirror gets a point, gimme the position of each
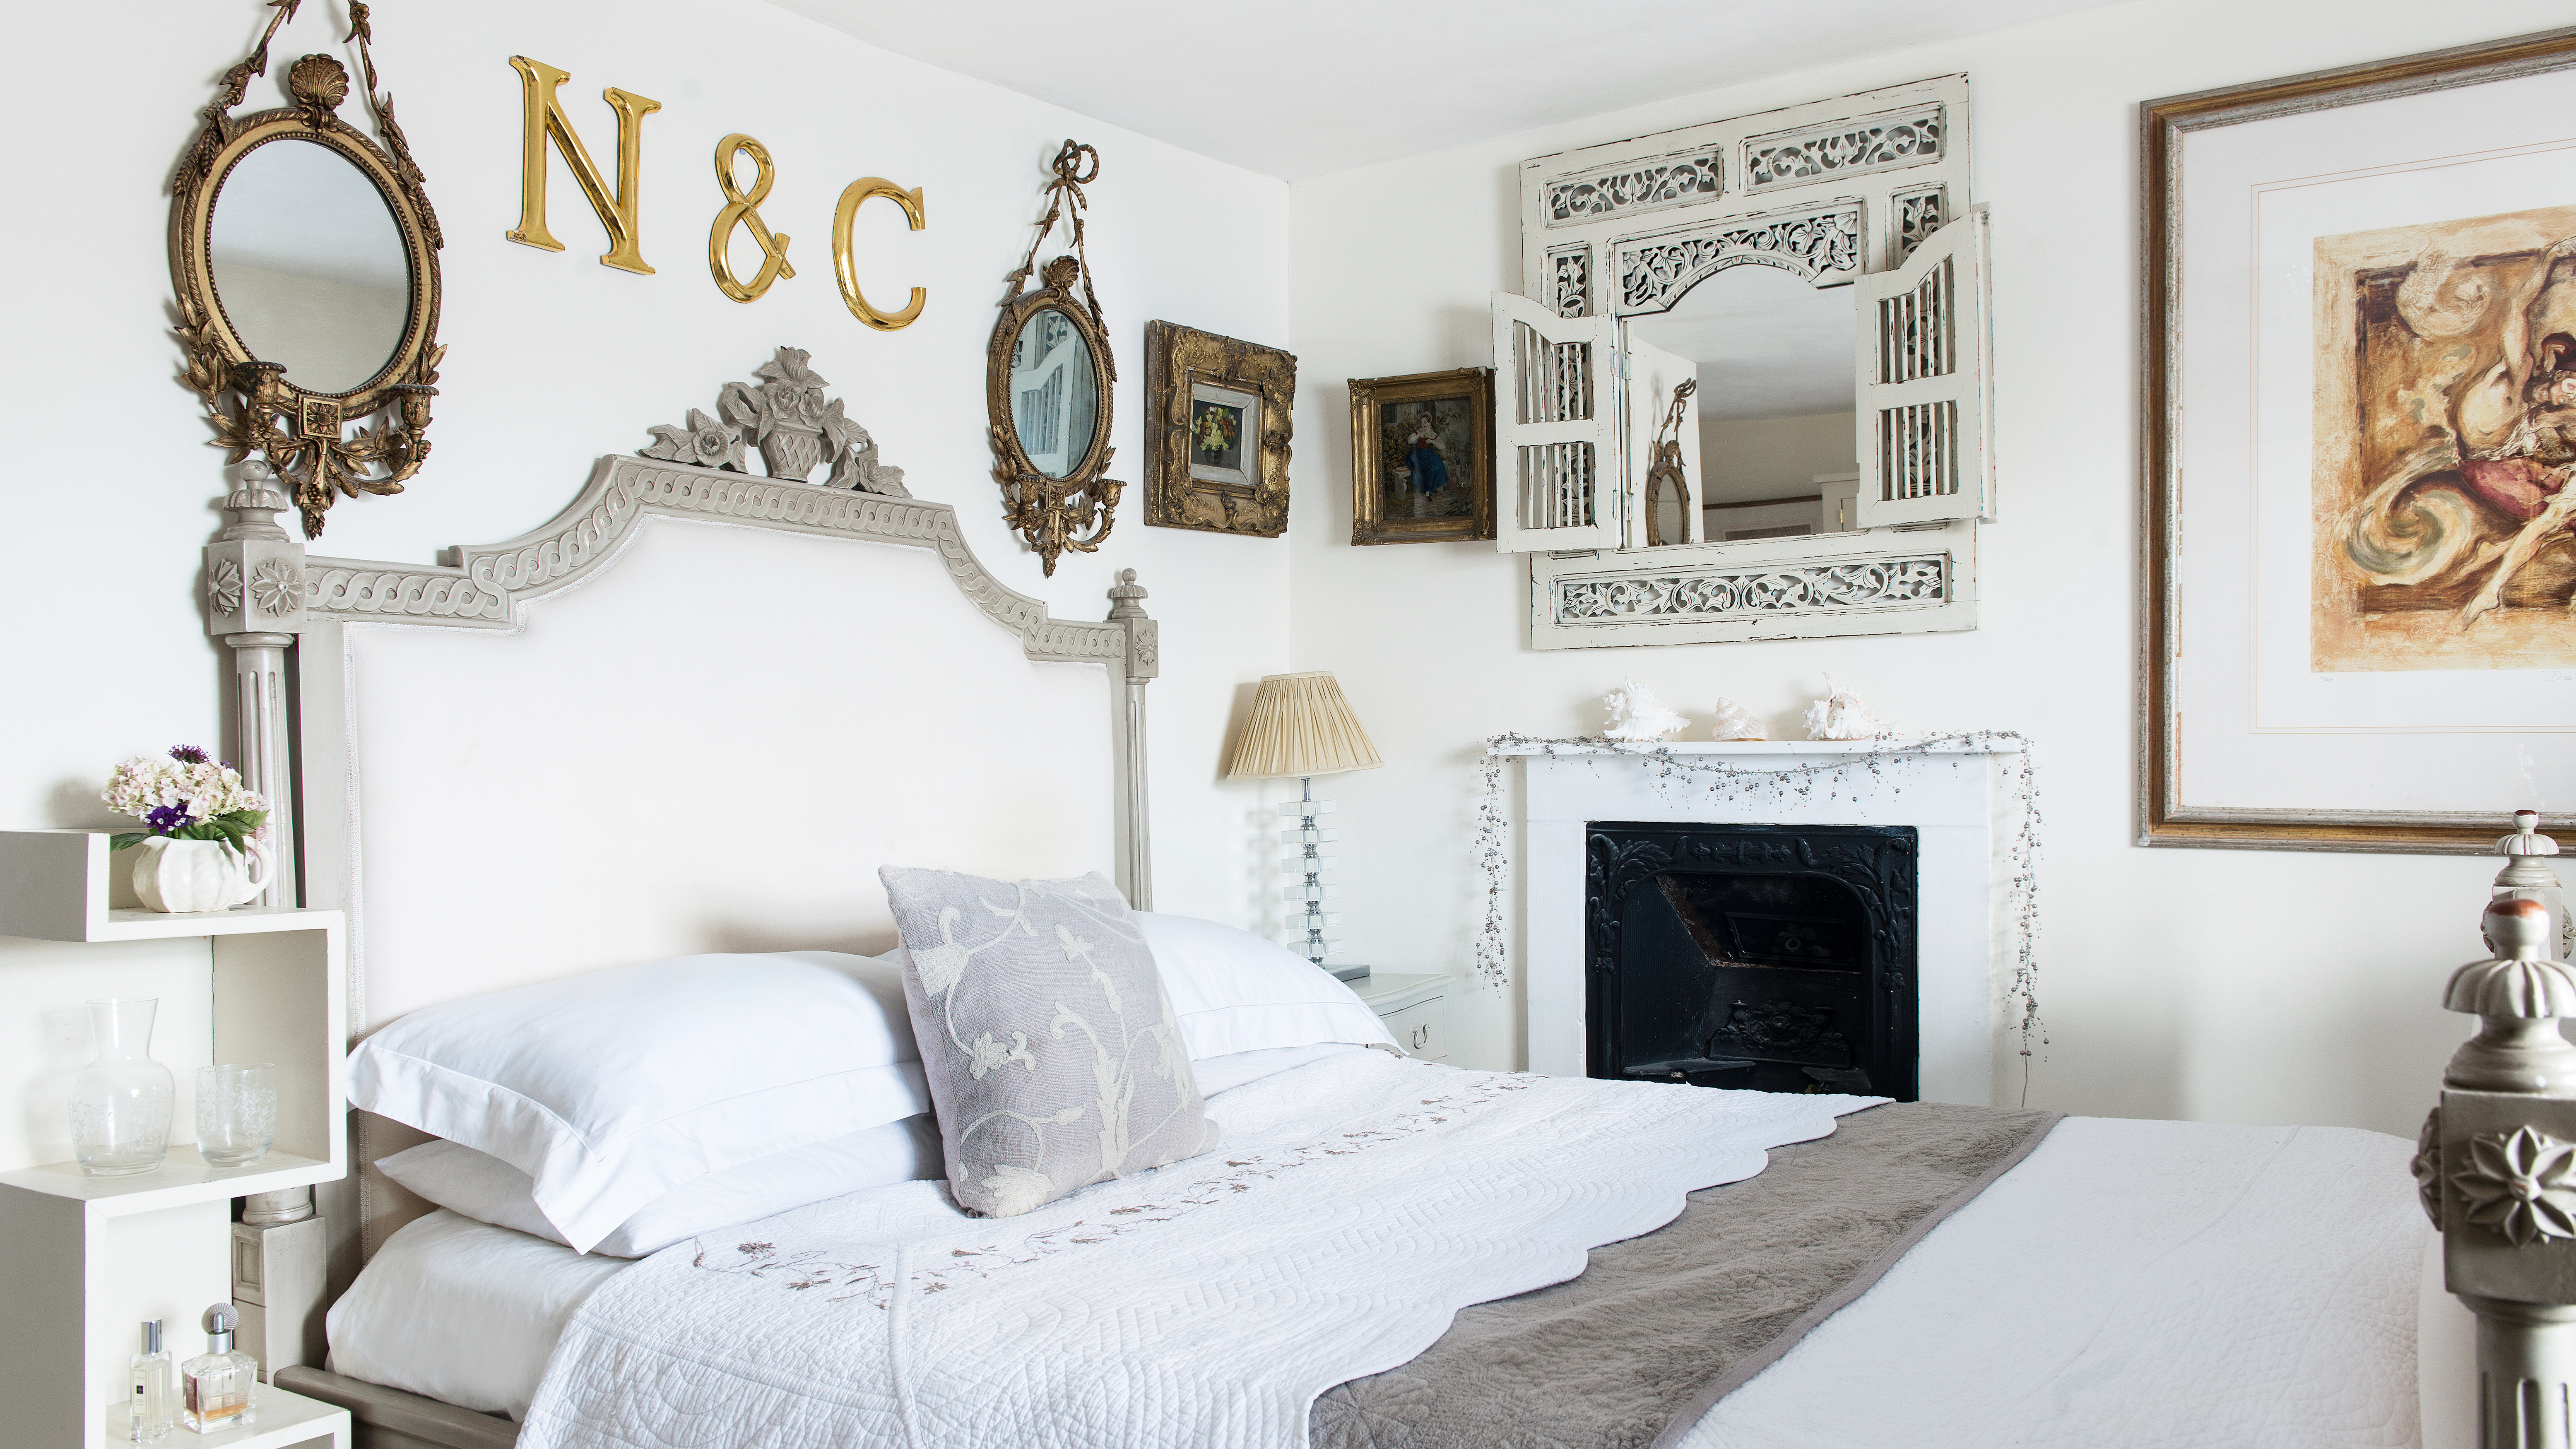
(1797, 267)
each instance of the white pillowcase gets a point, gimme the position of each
(1232, 991)
(489, 1190)
(610, 1089)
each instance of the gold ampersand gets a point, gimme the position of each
(743, 209)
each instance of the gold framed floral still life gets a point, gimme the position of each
(1216, 452)
(1422, 457)
(2361, 428)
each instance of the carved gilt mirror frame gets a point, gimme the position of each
(255, 407)
(1076, 507)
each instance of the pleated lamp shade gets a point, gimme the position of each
(1301, 725)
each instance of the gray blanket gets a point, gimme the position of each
(1658, 1328)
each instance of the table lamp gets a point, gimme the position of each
(1302, 726)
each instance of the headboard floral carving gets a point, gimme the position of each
(794, 422)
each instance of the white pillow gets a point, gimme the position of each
(1235, 992)
(489, 1190)
(611, 1088)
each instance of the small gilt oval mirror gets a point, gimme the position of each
(305, 258)
(1047, 386)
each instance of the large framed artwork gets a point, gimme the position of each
(1422, 464)
(2360, 545)
(1216, 446)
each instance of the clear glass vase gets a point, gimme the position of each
(121, 1100)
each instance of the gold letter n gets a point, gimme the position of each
(545, 118)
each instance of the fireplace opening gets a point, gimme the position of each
(1779, 958)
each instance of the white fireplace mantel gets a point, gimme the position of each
(1953, 792)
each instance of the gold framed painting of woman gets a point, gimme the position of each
(1422, 467)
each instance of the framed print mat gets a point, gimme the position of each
(1216, 450)
(2360, 427)
(1422, 466)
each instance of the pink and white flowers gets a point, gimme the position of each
(189, 796)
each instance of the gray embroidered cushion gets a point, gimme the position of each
(1046, 1035)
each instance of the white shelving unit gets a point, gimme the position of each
(76, 1252)
(283, 1419)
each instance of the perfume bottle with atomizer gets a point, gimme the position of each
(148, 1386)
(214, 1387)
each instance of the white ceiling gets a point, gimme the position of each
(1314, 86)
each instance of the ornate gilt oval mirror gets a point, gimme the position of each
(1047, 387)
(305, 258)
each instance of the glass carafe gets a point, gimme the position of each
(121, 1101)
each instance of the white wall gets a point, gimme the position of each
(554, 359)
(2247, 986)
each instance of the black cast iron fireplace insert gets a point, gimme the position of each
(1773, 957)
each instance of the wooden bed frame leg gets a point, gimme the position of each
(1144, 661)
(2526, 1360)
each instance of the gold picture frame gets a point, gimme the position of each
(255, 406)
(2214, 770)
(1216, 450)
(1405, 428)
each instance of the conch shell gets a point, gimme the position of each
(1735, 722)
(1841, 716)
(1636, 714)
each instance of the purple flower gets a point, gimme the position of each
(165, 818)
(189, 755)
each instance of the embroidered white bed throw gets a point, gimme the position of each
(1356, 1205)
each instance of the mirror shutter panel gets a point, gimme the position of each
(1556, 413)
(1653, 373)
(1925, 436)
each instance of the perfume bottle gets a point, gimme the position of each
(148, 1410)
(214, 1387)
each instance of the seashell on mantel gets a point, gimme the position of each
(1637, 714)
(1735, 722)
(1841, 716)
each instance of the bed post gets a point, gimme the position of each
(2496, 1163)
(1136, 851)
(255, 597)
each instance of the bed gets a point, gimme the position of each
(1379, 1252)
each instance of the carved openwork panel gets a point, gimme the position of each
(1918, 580)
(1819, 246)
(1648, 186)
(1570, 280)
(1877, 143)
(1919, 213)
(1717, 593)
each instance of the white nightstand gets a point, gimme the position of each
(1415, 1008)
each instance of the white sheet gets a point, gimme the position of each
(2164, 1285)
(1354, 1206)
(462, 1311)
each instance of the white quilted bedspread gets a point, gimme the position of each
(1351, 1208)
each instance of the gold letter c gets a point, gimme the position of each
(847, 266)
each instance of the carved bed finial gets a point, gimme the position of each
(795, 423)
(2518, 995)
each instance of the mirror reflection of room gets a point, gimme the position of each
(309, 265)
(1775, 403)
(1054, 393)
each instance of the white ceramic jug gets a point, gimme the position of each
(196, 875)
